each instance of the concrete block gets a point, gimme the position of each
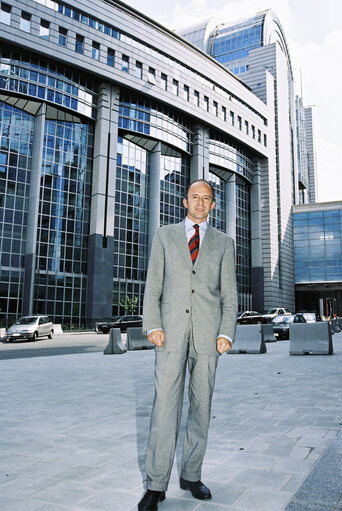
(115, 345)
(136, 340)
(311, 339)
(248, 339)
(57, 329)
(267, 332)
(2, 333)
(335, 327)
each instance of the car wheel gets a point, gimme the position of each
(9, 340)
(105, 331)
(50, 336)
(35, 336)
(259, 322)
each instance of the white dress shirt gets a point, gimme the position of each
(190, 231)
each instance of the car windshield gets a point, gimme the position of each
(27, 320)
(283, 319)
(272, 311)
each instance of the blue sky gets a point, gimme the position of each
(314, 33)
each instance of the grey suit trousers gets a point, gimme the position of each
(170, 370)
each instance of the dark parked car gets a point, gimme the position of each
(248, 317)
(281, 324)
(104, 324)
(124, 323)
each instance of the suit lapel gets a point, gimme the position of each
(179, 238)
(206, 245)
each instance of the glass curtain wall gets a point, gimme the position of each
(217, 217)
(16, 134)
(174, 179)
(130, 224)
(63, 222)
(318, 246)
(243, 244)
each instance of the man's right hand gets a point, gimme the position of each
(156, 337)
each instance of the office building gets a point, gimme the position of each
(105, 117)
(318, 256)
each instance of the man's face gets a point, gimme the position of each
(199, 202)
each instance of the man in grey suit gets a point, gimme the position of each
(190, 307)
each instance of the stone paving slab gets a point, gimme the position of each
(74, 430)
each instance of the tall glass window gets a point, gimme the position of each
(16, 136)
(130, 223)
(152, 75)
(95, 50)
(62, 36)
(44, 29)
(79, 43)
(243, 244)
(110, 57)
(174, 179)
(63, 223)
(218, 215)
(163, 78)
(5, 13)
(25, 21)
(138, 70)
(125, 63)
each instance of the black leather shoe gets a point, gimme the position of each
(150, 500)
(197, 488)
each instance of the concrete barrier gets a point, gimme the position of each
(57, 329)
(2, 333)
(311, 339)
(267, 332)
(248, 339)
(115, 345)
(136, 340)
(339, 320)
(335, 327)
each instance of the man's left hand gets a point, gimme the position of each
(223, 345)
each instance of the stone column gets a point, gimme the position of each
(33, 210)
(101, 234)
(256, 242)
(199, 163)
(154, 197)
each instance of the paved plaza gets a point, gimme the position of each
(74, 429)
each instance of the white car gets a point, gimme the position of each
(30, 328)
(272, 313)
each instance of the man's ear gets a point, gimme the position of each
(185, 203)
(213, 204)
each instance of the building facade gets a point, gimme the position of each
(105, 117)
(318, 256)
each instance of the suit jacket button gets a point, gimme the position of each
(187, 311)
(193, 271)
(192, 290)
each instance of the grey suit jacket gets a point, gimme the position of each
(176, 289)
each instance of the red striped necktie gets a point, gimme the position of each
(194, 244)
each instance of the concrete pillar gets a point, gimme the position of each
(101, 234)
(231, 207)
(257, 272)
(154, 198)
(199, 163)
(33, 210)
